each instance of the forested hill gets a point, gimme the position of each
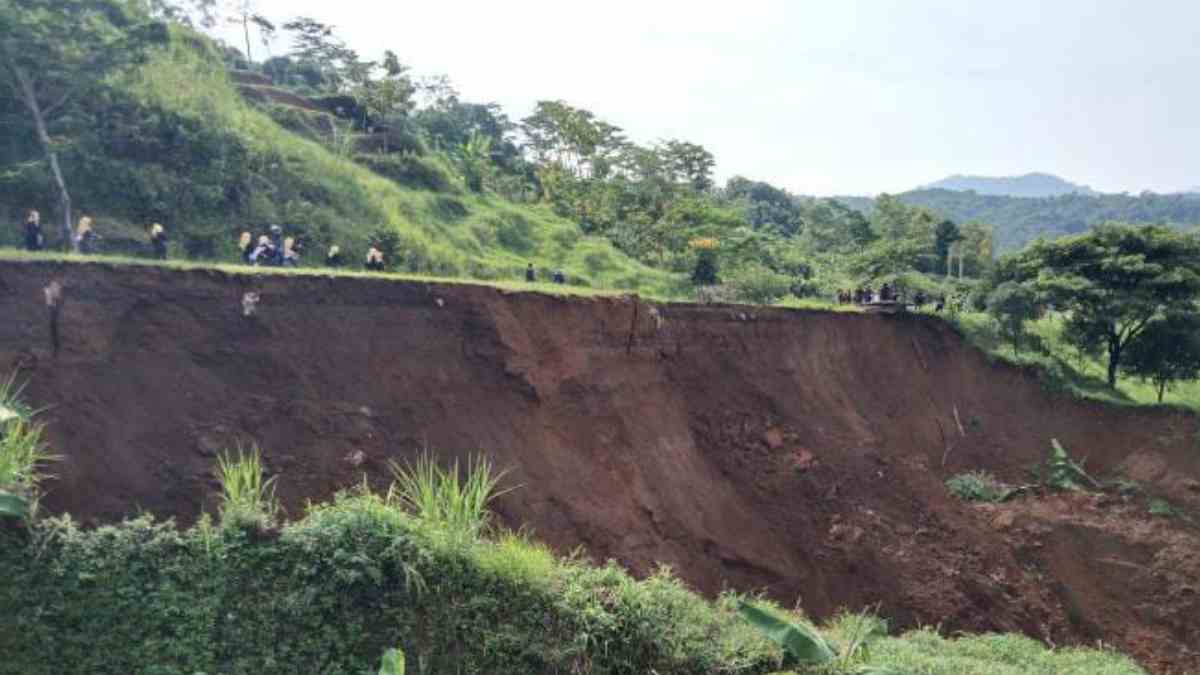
(1019, 220)
(1028, 185)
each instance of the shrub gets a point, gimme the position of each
(514, 232)
(247, 500)
(23, 454)
(454, 503)
(758, 284)
(978, 486)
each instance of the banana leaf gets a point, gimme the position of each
(13, 506)
(393, 663)
(801, 644)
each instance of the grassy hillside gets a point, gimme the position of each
(174, 142)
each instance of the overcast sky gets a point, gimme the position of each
(833, 96)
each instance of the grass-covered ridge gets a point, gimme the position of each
(175, 142)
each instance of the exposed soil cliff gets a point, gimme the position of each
(799, 452)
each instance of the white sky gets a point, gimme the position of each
(832, 96)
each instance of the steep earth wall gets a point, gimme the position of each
(799, 452)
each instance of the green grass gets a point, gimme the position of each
(515, 285)
(927, 653)
(1063, 369)
(247, 496)
(451, 500)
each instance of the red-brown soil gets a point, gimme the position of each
(799, 452)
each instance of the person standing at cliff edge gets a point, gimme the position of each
(158, 240)
(33, 231)
(334, 257)
(529, 274)
(374, 261)
(86, 239)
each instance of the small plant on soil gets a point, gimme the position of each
(1165, 509)
(247, 500)
(454, 501)
(979, 486)
(1060, 472)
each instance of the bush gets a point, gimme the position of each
(514, 232)
(334, 591)
(247, 499)
(978, 486)
(758, 284)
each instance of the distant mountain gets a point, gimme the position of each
(1019, 220)
(1029, 185)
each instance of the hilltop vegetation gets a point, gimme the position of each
(1018, 220)
(1029, 185)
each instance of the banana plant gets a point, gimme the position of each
(801, 645)
(13, 506)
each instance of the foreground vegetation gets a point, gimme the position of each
(421, 567)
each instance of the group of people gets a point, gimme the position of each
(887, 293)
(865, 295)
(559, 277)
(85, 239)
(271, 249)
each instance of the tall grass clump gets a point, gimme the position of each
(449, 499)
(247, 499)
(23, 453)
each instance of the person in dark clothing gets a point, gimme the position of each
(529, 274)
(559, 277)
(246, 247)
(291, 252)
(277, 248)
(374, 261)
(158, 240)
(33, 231)
(263, 253)
(919, 299)
(885, 293)
(941, 304)
(86, 239)
(334, 257)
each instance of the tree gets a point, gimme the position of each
(1114, 281)
(245, 13)
(315, 42)
(945, 236)
(1167, 351)
(54, 52)
(382, 97)
(476, 160)
(705, 273)
(1012, 304)
(689, 162)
